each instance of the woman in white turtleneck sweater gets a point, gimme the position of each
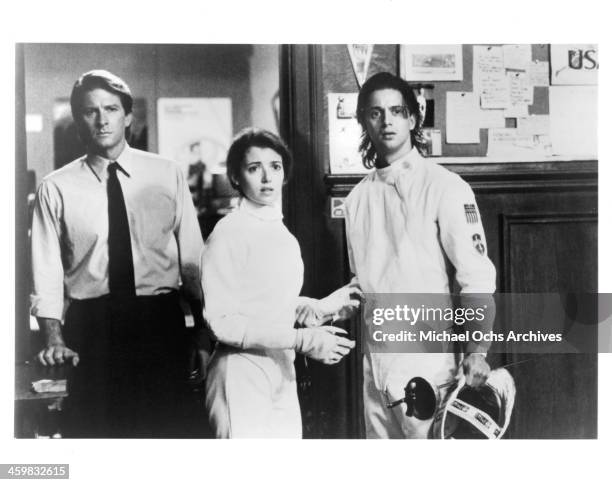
(252, 274)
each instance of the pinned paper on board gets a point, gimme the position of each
(533, 125)
(462, 117)
(344, 134)
(521, 95)
(573, 120)
(519, 110)
(539, 73)
(517, 56)
(521, 91)
(492, 118)
(490, 82)
(511, 144)
(360, 55)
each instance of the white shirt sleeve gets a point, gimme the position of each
(463, 239)
(349, 247)
(47, 299)
(224, 263)
(189, 240)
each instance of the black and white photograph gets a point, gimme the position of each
(517, 222)
(315, 250)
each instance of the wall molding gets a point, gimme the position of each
(502, 177)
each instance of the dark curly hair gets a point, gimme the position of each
(386, 80)
(255, 137)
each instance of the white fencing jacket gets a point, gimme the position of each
(408, 225)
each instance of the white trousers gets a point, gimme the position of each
(252, 396)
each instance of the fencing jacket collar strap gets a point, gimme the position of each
(263, 212)
(410, 162)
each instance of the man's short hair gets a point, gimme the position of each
(100, 78)
(255, 137)
(379, 81)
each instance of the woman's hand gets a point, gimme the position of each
(308, 313)
(323, 344)
(343, 302)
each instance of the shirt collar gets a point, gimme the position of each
(408, 162)
(99, 165)
(263, 212)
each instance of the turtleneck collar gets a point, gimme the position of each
(263, 212)
(408, 162)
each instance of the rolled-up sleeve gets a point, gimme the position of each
(47, 298)
(189, 240)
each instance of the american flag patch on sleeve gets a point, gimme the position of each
(470, 213)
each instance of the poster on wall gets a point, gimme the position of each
(574, 64)
(573, 121)
(344, 134)
(195, 130)
(431, 62)
(196, 133)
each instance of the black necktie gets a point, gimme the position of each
(120, 263)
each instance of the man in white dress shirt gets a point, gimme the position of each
(411, 226)
(115, 235)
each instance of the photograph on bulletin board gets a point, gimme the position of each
(431, 62)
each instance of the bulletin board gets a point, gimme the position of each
(540, 106)
(338, 77)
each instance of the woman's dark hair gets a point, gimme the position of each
(100, 78)
(379, 81)
(255, 137)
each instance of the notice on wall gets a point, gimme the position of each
(539, 74)
(511, 144)
(573, 120)
(521, 94)
(517, 56)
(519, 110)
(462, 118)
(521, 90)
(344, 134)
(492, 118)
(337, 207)
(489, 77)
(533, 125)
